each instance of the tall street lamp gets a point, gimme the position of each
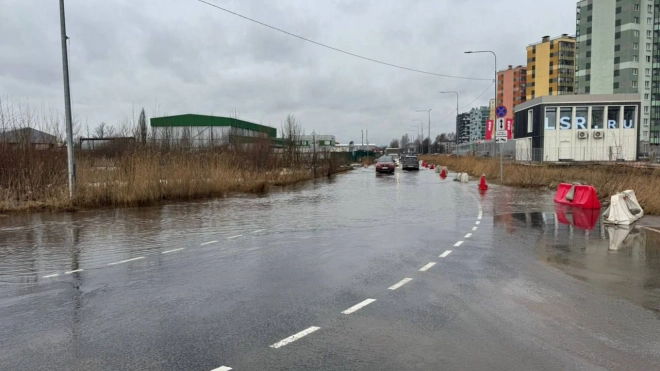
(428, 147)
(453, 92)
(494, 83)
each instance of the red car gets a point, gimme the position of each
(385, 164)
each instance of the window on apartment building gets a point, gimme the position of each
(635, 7)
(646, 109)
(635, 58)
(647, 72)
(617, 60)
(646, 96)
(616, 72)
(649, 34)
(648, 47)
(646, 122)
(550, 90)
(588, 65)
(635, 33)
(615, 85)
(633, 84)
(649, 20)
(587, 90)
(617, 47)
(618, 10)
(635, 46)
(647, 84)
(588, 54)
(635, 19)
(530, 120)
(649, 8)
(590, 7)
(617, 35)
(617, 23)
(589, 42)
(634, 71)
(589, 18)
(648, 58)
(587, 78)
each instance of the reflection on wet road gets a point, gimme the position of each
(361, 272)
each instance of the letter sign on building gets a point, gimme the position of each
(565, 123)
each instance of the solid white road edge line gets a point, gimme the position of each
(444, 254)
(295, 337)
(459, 243)
(400, 283)
(468, 235)
(51, 275)
(208, 243)
(426, 267)
(170, 251)
(222, 368)
(74, 271)
(358, 306)
(127, 260)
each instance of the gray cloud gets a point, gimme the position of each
(178, 56)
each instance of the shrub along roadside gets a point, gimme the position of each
(608, 179)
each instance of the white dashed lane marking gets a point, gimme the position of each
(358, 306)
(468, 235)
(208, 243)
(295, 337)
(400, 283)
(459, 243)
(478, 222)
(171, 251)
(51, 275)
(222, 368)
(259, 230)
(237, 236)
(426, 267)
(127, 260)
(74, 271)
(474, 228)
(444, 254)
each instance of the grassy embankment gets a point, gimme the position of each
(608, 179)
(37, 179)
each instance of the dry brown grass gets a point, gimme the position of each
(608, 179)
(38, 180)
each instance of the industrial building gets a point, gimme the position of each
(201, 130)
(578, 128)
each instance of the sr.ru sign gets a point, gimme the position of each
(581, 124)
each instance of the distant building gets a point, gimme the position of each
(551, 67)
(478, 117)
(491, 105)
(28, 137)
(511, 88)
(317, 143)
(463, 128)
(617, 53)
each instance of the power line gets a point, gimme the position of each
(339, 50)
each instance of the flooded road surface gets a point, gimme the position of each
(359, 272)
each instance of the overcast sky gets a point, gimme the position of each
(183, 56)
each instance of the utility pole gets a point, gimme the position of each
(67, 106)
(362, 139)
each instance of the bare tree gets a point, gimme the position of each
(142, 123)
(100, 131)
(291, 133)
(394, 143)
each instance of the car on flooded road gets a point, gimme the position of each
(385, 164)
(410, 162)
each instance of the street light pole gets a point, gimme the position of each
(495, 96)
(454, 92)
(420, 150)
(428, 146)
(71, 164)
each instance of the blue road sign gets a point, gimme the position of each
(500, 111)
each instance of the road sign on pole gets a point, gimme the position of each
(501, 139)
(500, 125)
(501, 111)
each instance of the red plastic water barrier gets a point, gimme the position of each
(424, 163)
(585, 196)
(443, 173)
(432, 167)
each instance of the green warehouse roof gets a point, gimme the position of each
(204, 121)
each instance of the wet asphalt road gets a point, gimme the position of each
(199, 286)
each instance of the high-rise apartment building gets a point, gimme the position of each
(617, 48)
(551, 67)
(511, 88)
(478, 117)
(491, 106)
(463, 127)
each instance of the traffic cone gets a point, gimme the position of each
(432, 167)
(443, 173)
(482, 183)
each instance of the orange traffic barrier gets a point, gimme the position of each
(578, 195)
(482, 183)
